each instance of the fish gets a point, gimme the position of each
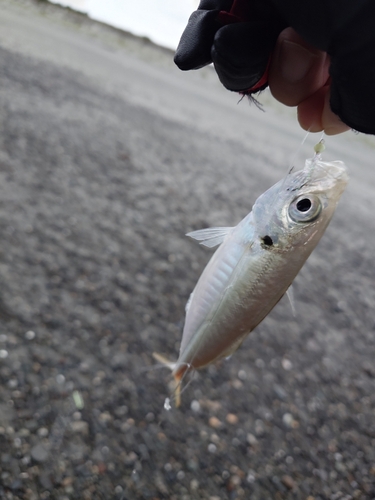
(255, 263)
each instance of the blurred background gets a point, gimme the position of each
(162, 21)
(108, 156)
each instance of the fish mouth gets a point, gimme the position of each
(333, 169)
(327, 175)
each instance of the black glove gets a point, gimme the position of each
(238, 36)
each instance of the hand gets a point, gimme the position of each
(252, 45)
(299, 76)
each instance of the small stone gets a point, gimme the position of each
(235, 481)
(286, 364)
(194, 484)
(17, 442)
(289, 421)
(42, 432)
(251, 439)
(250, 478)
(180, 475)
(288, 482)
(105, 417)
(67, 481)
(39, 453)
(80, 426)
(215, 423)
(231, 418)
(259, 363)
(237, 384)
(30, 335)
(195, 406)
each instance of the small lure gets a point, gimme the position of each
(256, 262)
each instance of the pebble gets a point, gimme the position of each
(286, 364)
(288, 482)
(80, 426)
(289, 421)
(215, 422)
(194, 484)
(180, 475)
(42, 432)
(251, 439)
(39, 453)
(211, 448)
(195, 405)
(232, 419)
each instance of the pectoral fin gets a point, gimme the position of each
(210, 237)
(290, 296)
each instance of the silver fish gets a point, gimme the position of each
(256, 263)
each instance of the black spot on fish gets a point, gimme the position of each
(267, 240)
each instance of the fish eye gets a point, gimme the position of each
(305, 208)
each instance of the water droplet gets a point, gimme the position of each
(167, 404)
(3, 353)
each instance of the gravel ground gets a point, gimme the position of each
(107, 157)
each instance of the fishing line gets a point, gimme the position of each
(290, 170)
(291, 166)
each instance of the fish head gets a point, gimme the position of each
(296, 211)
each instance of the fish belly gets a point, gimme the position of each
(234, 294)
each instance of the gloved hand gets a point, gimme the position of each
(238, 36)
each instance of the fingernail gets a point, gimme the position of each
(295, 61)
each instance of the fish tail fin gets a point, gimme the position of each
(177, 391)
(164, 361)
(177, 376)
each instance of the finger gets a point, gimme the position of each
(194, 49)
(332, 124)
(315, 115)
(297, 69)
